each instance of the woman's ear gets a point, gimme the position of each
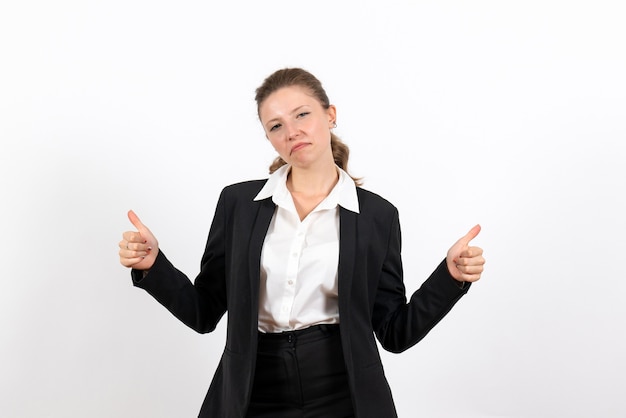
(332, 116)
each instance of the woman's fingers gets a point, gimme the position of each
(138, 249)
(465, 263)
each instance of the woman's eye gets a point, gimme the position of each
(274, 127)
(303, 114)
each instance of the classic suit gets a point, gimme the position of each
(371, 296)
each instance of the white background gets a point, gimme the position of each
(510, 114)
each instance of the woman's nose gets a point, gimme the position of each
(292, 131)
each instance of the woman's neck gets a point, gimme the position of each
(312, 182)
(309, 187)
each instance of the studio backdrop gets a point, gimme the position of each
(509, 114)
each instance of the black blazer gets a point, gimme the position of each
(372, 297)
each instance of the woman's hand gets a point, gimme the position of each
(465, 263)
(138, 249)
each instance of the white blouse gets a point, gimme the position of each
(299, 259)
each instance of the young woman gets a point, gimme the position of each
(307, 264)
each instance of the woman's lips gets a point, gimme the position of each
(298, 147)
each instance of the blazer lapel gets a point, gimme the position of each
(347, 254)
(257, 237)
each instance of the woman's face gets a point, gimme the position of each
(297, 126)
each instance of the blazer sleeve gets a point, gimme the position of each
(399, 324)
(199, 305)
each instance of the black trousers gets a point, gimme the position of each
(301, 374)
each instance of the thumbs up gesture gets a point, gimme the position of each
(465, 262)
(138, 249)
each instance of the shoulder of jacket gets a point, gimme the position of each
(368, 198)
(245, 188)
